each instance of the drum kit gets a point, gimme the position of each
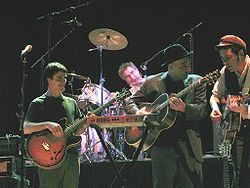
(94, 95)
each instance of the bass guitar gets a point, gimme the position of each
(166, 115)
(48, 151)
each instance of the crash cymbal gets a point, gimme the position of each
(77, 76)
(108, 39)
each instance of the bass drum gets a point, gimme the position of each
(91, 146)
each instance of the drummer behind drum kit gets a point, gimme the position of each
(93, 96)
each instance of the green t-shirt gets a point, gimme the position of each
(48, 108)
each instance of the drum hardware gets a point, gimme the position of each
(108, 39)
(78, 76)
(116, 153)
(92, 150)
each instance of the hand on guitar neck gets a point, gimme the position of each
(142, 111)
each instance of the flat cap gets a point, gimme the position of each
(230, 40)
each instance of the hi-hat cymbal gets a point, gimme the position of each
(108, 39)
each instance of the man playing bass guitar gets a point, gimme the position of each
(176, 154)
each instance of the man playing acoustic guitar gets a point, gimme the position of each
(176, 153)
(235, 79)
(43, 113)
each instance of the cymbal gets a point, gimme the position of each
(107, 38)
(77, 76)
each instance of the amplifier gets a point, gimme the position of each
(15, 182)
(9, 145)
(10, 166)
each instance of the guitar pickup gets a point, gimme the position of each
(46, 146)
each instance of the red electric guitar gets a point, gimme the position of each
(48, 151)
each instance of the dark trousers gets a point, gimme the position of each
(169, 170)
(241, 156)
(66, 176)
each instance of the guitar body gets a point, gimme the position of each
(166, 118)
(48, 151)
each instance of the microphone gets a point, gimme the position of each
(195, 27)
(73, 22)
(26, 50)
(143, 66)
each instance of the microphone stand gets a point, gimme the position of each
(49, 17)
(191, 47)
(50, 50)
(20, 116)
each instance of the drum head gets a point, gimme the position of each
(92, 95)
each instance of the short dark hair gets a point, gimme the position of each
(123, 66)
(53, 68)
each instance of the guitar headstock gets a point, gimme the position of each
(211, 77)
(122, 95)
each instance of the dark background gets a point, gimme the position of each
(149, 26)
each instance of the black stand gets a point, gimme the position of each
(122, 180)
(20, 115)
(49, 18)
(48, 52)
(135, 155)
(143, 66)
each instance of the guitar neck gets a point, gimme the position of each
(78, 123)
(121, 121)
(181, 93)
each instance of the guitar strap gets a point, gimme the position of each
(246, 86)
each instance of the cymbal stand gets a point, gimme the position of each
(89, 149)
(101, 79)
(70, 83)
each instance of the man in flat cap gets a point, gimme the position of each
(234, 82)
(175, 145)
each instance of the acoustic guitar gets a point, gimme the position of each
(165, 115)
(48, 151)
